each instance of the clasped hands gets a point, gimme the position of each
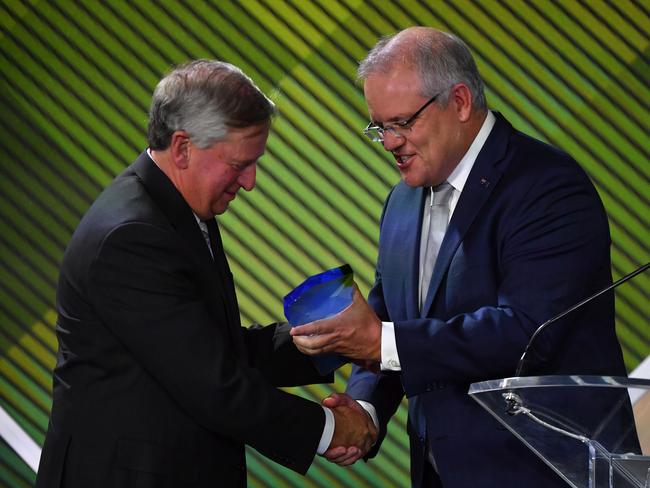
(354, 431)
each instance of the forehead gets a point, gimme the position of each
(243, 134)
(249, 141)
(393, 94)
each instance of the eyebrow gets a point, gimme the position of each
(245, 163)
(248, 162)
(401, 118)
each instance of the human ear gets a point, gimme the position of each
(461, 97)
(180, 149)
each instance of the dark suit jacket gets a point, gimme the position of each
(156, 383)
(528, 238)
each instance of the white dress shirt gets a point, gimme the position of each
(389, 355)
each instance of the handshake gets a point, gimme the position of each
(355, 432)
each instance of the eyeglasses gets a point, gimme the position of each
(398, 129)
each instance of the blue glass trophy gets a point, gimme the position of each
(318, 297)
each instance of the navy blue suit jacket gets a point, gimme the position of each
(528, 238)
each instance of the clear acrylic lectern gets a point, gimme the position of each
(581, 426)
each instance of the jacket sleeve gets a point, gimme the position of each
(271, 351)
(384, 391)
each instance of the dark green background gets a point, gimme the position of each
(75, 83)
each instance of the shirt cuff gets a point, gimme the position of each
(369, 407)
(328, 432)
(389, 357)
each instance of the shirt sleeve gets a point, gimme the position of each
(328, 432)
(372, 411)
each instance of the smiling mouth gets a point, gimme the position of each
(402, 160)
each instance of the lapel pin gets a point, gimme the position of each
(485, 182)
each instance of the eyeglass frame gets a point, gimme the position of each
(392, 128)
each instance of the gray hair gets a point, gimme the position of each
(442, 60)
(205, 98)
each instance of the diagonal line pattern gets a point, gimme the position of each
(75, 83)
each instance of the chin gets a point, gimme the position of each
(221, 206)
(413, 181)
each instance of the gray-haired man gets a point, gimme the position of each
(489, 234)
(156, 383)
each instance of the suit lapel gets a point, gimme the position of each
(480, 183)
(218, 289)
(218, 253)
(412, 245)
(399, 249)
(220, 262)
(170, 201)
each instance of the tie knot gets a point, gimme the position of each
(442, 193)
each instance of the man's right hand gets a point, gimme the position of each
(354, 433)
(354, 332)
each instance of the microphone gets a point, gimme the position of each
(521, 364)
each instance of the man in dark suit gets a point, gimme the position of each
(156, 383)
(489, 234)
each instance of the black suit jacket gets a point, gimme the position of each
(156, 383)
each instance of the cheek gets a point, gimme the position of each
(225, 182)
(429, 151)
(217, 179)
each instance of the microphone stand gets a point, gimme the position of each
(520, 365)
(514, 404)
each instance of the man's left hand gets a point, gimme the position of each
(355, 332)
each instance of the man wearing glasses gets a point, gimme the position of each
(489, 234)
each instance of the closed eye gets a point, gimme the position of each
(402, 123)
(238, 166)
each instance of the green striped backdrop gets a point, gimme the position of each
(75, 83)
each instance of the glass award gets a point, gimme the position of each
(320, 296)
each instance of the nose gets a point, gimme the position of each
(391, 141)
(247, 177)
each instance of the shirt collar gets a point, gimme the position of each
(458, 177)
(202, 224)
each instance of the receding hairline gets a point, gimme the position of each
(260, 127)
(396, 50)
